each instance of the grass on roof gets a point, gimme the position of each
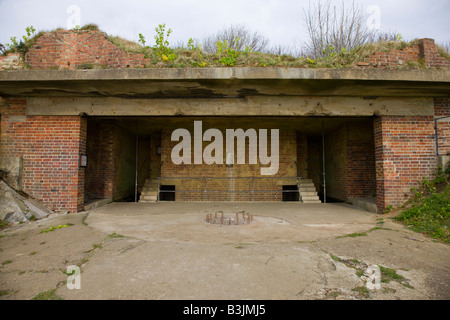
(195, 57)
(181, 57)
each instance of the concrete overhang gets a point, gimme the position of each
(225, 83)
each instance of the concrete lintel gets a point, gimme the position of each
(248, 106)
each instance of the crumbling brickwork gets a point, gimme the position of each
(423, 51)
(12, 61)
(71, 50)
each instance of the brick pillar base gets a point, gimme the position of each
(405, 153)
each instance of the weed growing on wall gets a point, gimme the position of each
(22, 45)
(161, 46)
(226, 54)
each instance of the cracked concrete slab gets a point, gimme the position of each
(167, 251)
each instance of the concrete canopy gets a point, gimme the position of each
(225, 82)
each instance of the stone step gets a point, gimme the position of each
(308, 193)
(307, 185)
(309, 198)
(312, 201)
(147, 188)
(149, 193)
(148, 198)
(307, 189)
(306, 181)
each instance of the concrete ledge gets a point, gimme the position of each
(225, 83)
(427, 75)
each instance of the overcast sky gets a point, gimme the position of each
(281, 21)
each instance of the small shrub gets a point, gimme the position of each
(161, 47)
(24, 43)
(142, 39)
(226, 54)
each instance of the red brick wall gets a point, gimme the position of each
(405, 153)
(50, 147)
(63, 49)
(430, 54)
(424, 50)
(442, 109)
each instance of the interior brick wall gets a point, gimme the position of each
(350, 162)
(242, 187)
(111, 151)
(50, 147)
(302, 155)
(100, 165)
(336, 163)
(361, 178)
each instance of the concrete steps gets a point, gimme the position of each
(149, 192)
(307, 190)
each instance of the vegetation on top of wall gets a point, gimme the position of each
(226, 54)
(164, 55)
(443, 52)
(90, 27)
(24, 43)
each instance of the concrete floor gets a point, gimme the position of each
(273, 221)
(167, 251)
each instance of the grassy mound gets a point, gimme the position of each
(428, 211)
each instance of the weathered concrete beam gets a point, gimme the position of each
(224, 83)
(176, 74)
(248, 106)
